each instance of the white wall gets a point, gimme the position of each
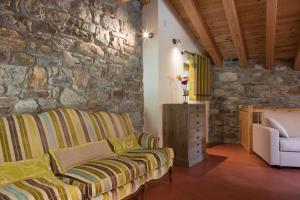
(151, 70)
(162, 62)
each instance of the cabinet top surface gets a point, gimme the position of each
(189, 104)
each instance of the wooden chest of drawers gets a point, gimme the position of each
(185, 128)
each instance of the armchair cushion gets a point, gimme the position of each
(290, 144)
(277, 125)
(289, 120)
(147, 141)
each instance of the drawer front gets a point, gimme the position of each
(196, 141)
(196, 119)
(195, 152)
(196, 132)
(196, 108)
(196, 123)
(197, 116)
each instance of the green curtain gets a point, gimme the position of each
(202, 81)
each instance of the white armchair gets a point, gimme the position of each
(266, 143)
(269, 144)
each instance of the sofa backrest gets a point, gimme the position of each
(20, 138)
(67, 128)
(113, 125)
(29, 136)
(289, 120)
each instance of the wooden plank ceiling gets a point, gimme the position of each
(238, 28)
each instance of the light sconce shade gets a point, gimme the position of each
(176, 41)
(147, 35)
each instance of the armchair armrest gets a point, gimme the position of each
(266, 143)
(147, 141)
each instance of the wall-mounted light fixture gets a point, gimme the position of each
(176, 41)
(147, 35)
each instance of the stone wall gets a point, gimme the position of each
(71, 53)
(233, 86)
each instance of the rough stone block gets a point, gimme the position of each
(11, 39)
(228, 77)
(26, 106)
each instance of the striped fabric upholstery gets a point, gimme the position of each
(67, 128)
(113, 125)
(20, 138)
(30, 136)
(123, 191)
(152, 158)
(102, 175)
(147, 141)
(49, 188)
(157, 173)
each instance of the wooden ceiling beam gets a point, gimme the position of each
(271, 18)
(297, 59)
(122, 1)
(143, 2)
(202, 30)
(235, 30)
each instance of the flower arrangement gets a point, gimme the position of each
(184, 83)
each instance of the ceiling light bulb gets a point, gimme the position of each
(147, 35)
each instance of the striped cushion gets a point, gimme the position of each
(67, 128)
(113, 125)
(102, 175)
(152, 158)
(40, 189)
(20, 138)
(147, 141)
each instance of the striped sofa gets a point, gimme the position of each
(27, 136)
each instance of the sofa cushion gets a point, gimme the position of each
(147, 141)
(277, 125)
(47, 188)
(65, 159)
(290, 144)
(289, 120)
(124, 144)
(152, 158)
(104, 174)
(24, 169)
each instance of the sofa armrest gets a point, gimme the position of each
(266, 143)
(147, 141)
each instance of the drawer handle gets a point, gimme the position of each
(198, 130)
(198, 122)
(198, 137)
(197, 108)
(197, 115)
(198, 144)
(198, 151)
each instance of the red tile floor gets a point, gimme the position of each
(229, 173)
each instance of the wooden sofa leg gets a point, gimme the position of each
(143, 191)
(170, 175)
